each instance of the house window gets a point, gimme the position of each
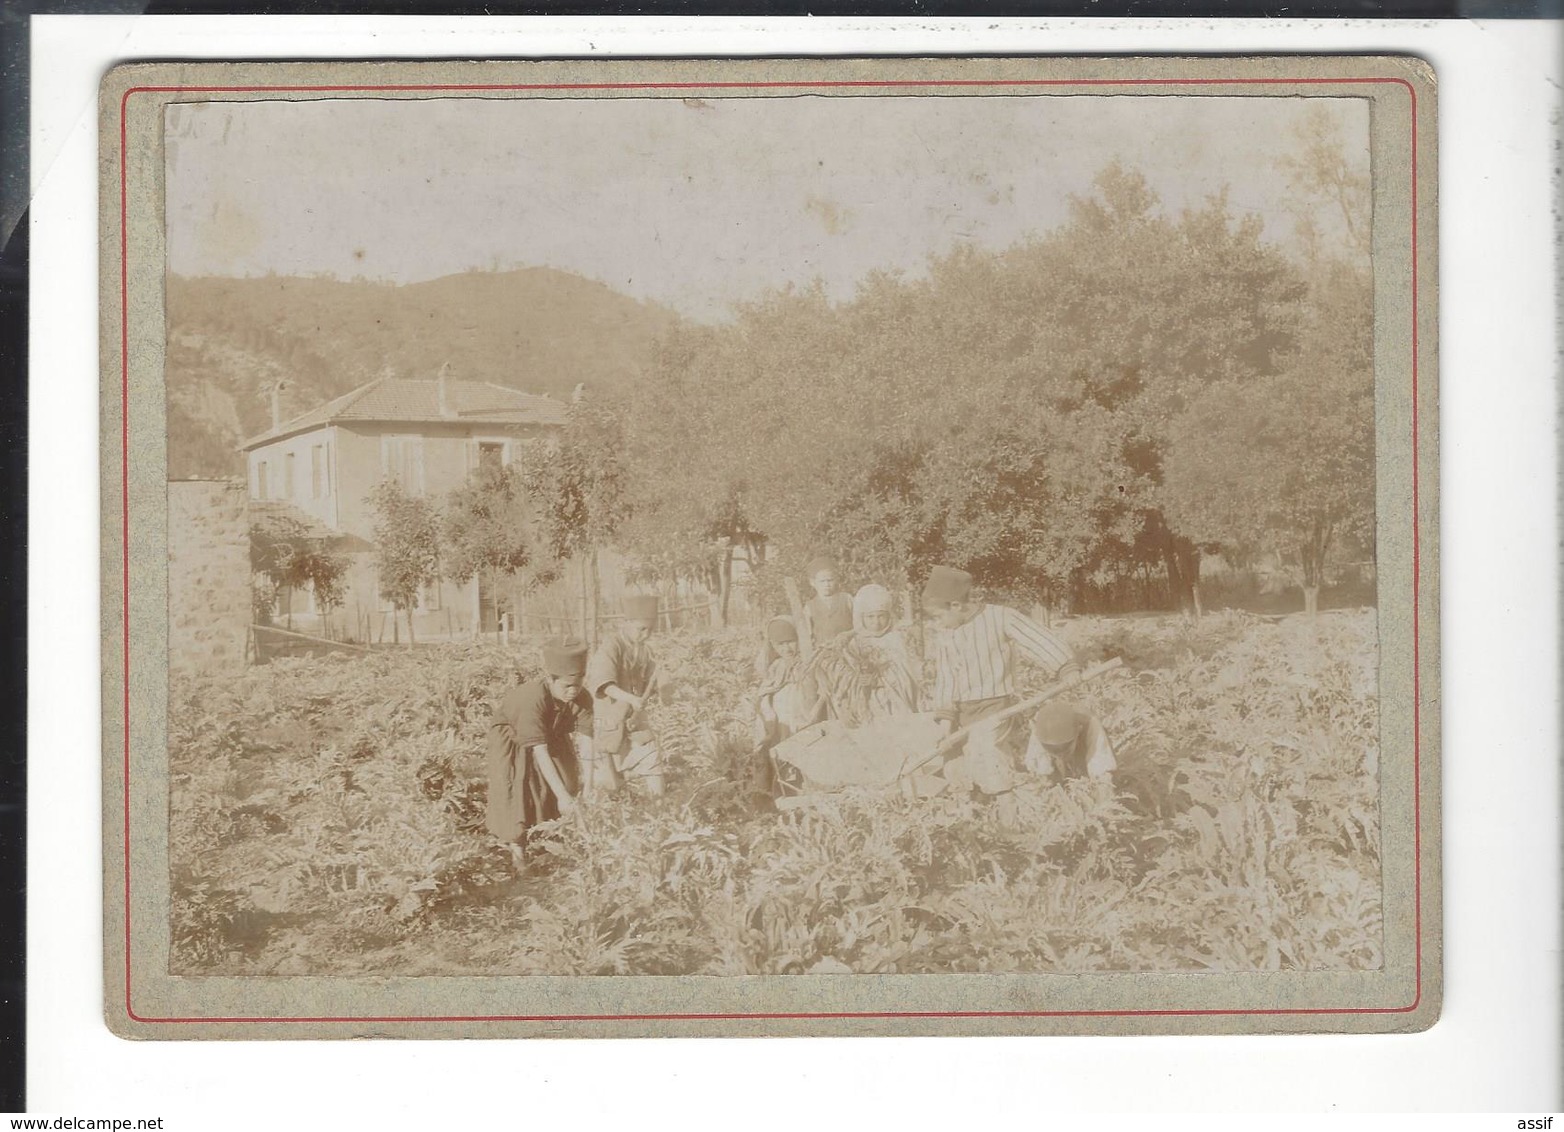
(492, 454)
(489, 452)
(287, 476)
(402, 459)
(320, 473)
(261, 471)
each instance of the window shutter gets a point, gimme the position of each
(415, 468)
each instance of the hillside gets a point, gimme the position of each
(535, 329)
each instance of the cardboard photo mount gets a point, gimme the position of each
(143, 1000)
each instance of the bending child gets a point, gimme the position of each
(540, 737)
(1070, 742)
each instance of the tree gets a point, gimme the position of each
(1021, 500)
(285, 556)
(578, 484)
(407, 542)
(1008, 411)
(1287, 463)
(1327, 181)
(1149, 312)
(1283, 464)
(485, 526)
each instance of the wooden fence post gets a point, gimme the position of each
(806, 645)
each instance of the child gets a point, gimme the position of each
(785, 702)
(869, 673)
(1070, 741)
(829, 613)
(780, 701)
(621, 677)
(974, 653)
(541, 734)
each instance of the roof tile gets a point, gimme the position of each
(404, 400)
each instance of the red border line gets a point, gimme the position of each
(124, 354)
(1417, 807)
(885, 84)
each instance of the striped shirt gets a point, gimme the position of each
(974, 661)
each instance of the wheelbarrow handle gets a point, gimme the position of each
(956, 738)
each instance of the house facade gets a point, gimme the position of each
(429, 436)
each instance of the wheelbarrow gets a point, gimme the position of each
(829, 756)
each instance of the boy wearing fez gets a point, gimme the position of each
(974, 652)
(621, 676)
(540, 737)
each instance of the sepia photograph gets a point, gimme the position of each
(784, 530)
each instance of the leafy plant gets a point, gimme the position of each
(326, 818)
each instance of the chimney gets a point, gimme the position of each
(276, 393)
(442, 392)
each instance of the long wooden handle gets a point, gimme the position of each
(956, 738)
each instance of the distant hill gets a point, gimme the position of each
(536, 329)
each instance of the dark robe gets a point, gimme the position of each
(529, 715)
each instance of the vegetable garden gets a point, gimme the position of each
(326, 818)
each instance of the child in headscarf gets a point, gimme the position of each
(784, 702)
(869, 674)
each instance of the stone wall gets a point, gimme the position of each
(208, 575)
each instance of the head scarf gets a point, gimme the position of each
(872, 599)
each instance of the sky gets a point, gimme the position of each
(695, 203)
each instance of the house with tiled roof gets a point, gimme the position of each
(429, 435)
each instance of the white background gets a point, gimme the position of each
(1497, 1046)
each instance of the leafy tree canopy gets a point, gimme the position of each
(407, 541)
(285, 554)
(486, 523)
